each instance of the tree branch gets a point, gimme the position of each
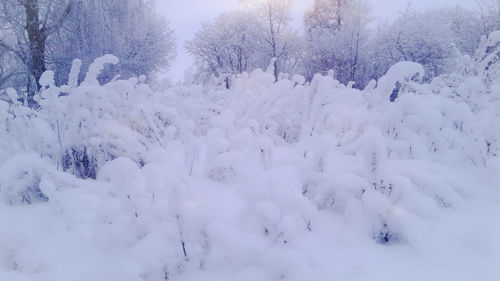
(50, 30)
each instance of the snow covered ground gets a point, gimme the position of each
(265, 181)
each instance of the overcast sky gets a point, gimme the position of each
(186, 16)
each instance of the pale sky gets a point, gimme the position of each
(186, 16)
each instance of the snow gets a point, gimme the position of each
(263, 181)
(124, 175)
(94, 69)
(493, 39)
(74, 73)
(47, 79)
(12, 94)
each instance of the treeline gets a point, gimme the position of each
(338, 35)
(40, 35)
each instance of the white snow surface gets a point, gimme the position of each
(265, 181)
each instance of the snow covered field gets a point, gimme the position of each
(265, 181)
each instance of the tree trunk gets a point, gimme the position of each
(37, 39)
(339, 12)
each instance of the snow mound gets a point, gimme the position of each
(20, 179)
(398, 77)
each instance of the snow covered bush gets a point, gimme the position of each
(263, 181)
(20, 177)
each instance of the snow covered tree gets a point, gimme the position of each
(242, 41)
(337, 37)
(131, 30)
(48, 34)
(28, 24)
(434, 38)
(230, 45)
(275, 18)
(326, 14)
(489, 13)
